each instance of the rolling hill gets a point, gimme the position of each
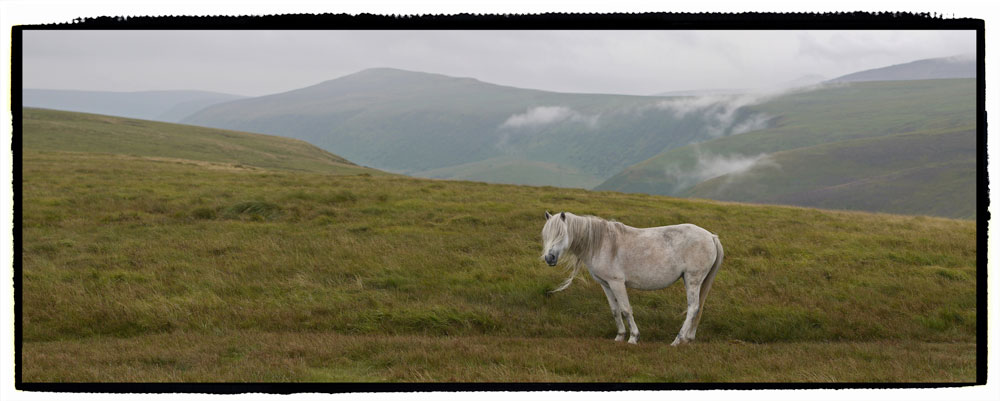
(438, 126)
(785, 163)
(168, 106)
(54, 130)
(138, 266)
(934, 68)
(922, 172)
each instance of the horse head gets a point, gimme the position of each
(555, 238)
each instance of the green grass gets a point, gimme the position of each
(254, 356)
(142, 269)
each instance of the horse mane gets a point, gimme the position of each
(588, 234)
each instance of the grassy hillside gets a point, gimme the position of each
(429, 125)
(140, 269)
(835, 114)
(514, 170)
(929, 172)
(52, 130)
(169, 106)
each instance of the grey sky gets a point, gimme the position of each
(631, 62)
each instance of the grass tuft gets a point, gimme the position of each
(204, 213)
(253, 211)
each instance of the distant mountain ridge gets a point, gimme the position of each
(933, 68)
(437, 126)
(800, 82)
(446, 127)
(720, 145)
(167, 106)
(704, 92)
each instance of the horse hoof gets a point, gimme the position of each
(680, 341)
(620, 338)
(633, 341)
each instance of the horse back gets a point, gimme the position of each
(655, 257)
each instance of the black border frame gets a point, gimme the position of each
(548, 21)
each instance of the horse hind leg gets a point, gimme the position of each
(689, 328)
(706, 285)
(618, 288)
(615, 310)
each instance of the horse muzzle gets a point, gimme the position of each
(551, 259)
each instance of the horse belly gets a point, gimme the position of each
(651, 276)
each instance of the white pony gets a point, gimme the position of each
(619, 256)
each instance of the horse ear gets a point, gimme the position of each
(547, 215)
(563, 216)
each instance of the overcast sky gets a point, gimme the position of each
(631, 62)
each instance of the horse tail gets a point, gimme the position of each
(707, 283)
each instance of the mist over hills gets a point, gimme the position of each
(891, 146)
(437, 126)
(444, 127)
(803, 81)
(721, 144)
(168, 106)
(926, 172)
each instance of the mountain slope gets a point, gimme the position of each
(922, 172)
(837, 113)
(54, 130)
(515, 170)
(428, 124)
(169, 106)
(934, 68)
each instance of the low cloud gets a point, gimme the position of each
(546, 115)
(712, 166)
(962, 58)
(754, 123)
(709, 166)
(719, 112)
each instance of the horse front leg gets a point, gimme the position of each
(613, 302)
(618, 289)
